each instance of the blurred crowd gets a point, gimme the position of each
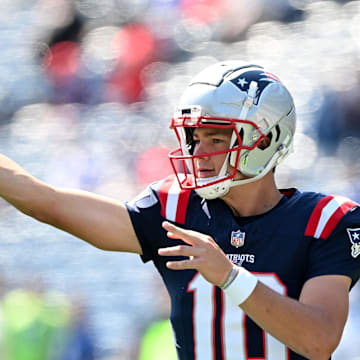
(43, 325)
(87, 90)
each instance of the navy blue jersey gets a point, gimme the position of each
(303, 236)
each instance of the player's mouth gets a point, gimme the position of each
(205, 173)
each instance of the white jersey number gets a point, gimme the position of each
(233, 324)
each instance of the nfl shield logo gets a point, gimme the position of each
(237, 238)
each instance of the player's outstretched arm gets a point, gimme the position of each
(100, 221)
(311, 326)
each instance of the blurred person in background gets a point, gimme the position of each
(157, 342)
(40, 324)
(156, 339)
(34, 325)
(79, 344)
(338, 117)
(252, 271)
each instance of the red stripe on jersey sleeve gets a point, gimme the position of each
(182, 206)
(315, 215)
(336, 217)
(164, 192)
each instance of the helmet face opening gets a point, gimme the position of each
(185, 159)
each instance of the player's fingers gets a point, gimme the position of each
(176, 232)
(182, 264)
(189, 236)
(179, 250)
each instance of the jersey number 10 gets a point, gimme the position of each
(234, 338)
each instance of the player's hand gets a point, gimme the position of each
(202, 251)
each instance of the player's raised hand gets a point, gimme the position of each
(202, 251)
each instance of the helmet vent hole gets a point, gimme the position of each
(241, 134)
(277, 128)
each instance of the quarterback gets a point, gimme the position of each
(253, 271)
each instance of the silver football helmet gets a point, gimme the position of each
(250, 101)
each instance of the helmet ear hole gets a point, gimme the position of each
(265, 142)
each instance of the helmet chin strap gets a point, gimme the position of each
(214, 191)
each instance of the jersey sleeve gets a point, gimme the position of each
(144, 211)
(161, 200)
(336, 251)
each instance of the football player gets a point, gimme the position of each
(253, 271)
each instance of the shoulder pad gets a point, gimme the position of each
(173, 199)
(145, 199)
(327, 214)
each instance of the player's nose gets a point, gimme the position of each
(201, 151)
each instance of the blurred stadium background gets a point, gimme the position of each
(87, 90)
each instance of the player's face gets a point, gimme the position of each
(209, 140)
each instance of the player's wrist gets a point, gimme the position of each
(239, 285)
(230, 278)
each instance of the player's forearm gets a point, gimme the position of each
(100, 221)
(306, 329)
(22, 190)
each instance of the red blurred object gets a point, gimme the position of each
(203, 11)
(153, 165)
(134, 45)
(62, 61)
(125, 86)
